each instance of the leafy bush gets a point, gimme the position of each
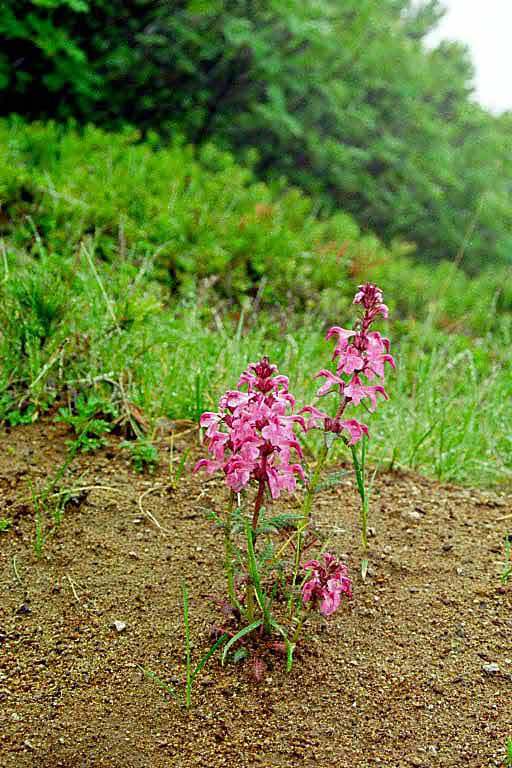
(344, 99)
(183, 216)
(195, 220)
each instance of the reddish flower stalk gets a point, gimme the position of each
(360, 354)
(251, 436)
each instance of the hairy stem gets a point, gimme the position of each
(258, 503)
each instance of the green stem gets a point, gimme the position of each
(258, 503)
(251, 538)
(250, 601)
(359, 467)
(298, 629)
(255, 590)
(228, 550)
(307, 506)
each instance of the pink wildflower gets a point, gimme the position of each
(252, 436)
(360, 354)
(328, 582)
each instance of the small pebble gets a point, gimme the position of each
(491, 669)
(412, 515)
(119, 626)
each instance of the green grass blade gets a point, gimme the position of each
(245, 631)
(161, 684)
(201, 664)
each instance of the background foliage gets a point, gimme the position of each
(343, 99)
(133, 275)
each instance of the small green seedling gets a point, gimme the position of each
(4, 524)
(191, 672)
(175, 475)
(144, 454)
(44, 508)
(91, 422)
(40, 534)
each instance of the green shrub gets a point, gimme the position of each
(195, 220)
(342, 98)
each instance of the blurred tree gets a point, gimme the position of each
(341, 98)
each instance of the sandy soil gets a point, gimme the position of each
(397, 678)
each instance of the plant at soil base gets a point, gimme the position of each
(48, 503)
(88, 418)
(361, 355)
(191, 671)
(4, 524)
(254, 440)
(144, 454)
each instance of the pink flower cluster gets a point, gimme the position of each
(251, 436)
(360, 354)
(328, 583)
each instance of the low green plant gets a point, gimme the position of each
(5, 524)
(40, 534)
(144, 454)
(184, 696)
(177, 473)
(91, 420)
(49, 505)
(253, 440)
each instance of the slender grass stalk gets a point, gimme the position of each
(254, 575)
(228, 553)
(360, 469)
(251, 533)
(188, 659)
(239, 635)
(306, 507)
(40, 538)
(158, 681)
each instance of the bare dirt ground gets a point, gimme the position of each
(397, 678)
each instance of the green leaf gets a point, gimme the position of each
(242, 633)
(222, 639)
(161, 683)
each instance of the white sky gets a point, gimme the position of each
(486, 26)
